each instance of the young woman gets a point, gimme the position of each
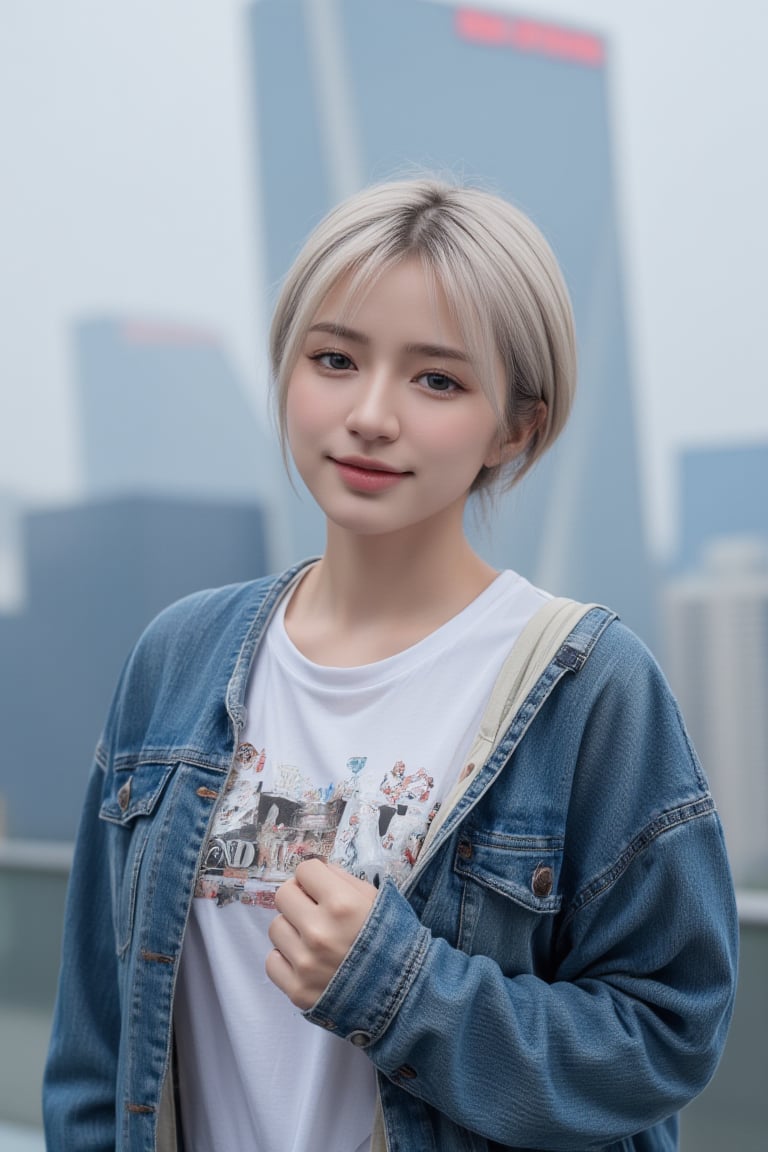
(324, 899)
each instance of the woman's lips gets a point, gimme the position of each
(367, 479)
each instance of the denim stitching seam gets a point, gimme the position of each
(675, 818)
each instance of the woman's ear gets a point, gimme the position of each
(517, 442)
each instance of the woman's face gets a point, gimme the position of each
(386, 418)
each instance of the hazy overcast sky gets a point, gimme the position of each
(127, 186)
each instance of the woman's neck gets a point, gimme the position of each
(371, 596)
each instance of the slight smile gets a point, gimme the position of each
(367, 475)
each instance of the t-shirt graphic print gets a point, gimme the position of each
(371, 826)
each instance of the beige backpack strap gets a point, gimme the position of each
(532, 652)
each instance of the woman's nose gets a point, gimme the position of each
(373, 414)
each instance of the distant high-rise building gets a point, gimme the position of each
(98, 573)
(351, 91)
(164, 411)
(716, 640)
(723, 491)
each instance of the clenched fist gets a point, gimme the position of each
(320, 912)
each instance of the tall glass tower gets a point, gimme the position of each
(347, 92)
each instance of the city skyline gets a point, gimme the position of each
(163, 407)
(167, 438)
(153, 201)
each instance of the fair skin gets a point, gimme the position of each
(388, 426)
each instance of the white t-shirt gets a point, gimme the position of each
(348, 764)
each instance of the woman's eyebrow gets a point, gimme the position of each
(340, 330)
(432, 350)
(439, 351)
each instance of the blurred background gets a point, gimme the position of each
(161, 167)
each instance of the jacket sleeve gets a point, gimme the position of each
(630, 1023)
(80, 1074)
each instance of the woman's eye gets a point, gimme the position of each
(336, 361)
(440, 383)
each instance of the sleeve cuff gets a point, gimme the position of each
(375, 976)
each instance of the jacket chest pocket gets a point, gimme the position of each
(130, 799)
(510, 897)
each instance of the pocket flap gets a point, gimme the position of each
(134, 792)
(524, 868)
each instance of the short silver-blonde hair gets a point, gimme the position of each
(500, 278)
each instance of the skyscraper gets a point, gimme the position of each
(723, 491)
(162, 410)
(350, 91)
(716, 641)
(97, 573)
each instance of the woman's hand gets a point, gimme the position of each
(321, 910)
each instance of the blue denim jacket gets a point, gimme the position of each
(558, 973)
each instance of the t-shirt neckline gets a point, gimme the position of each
(400, 663)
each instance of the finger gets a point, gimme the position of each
(330, 893)
(283, 977)
(284, 937)
(322, 881)
(280, 972)
(292, 901)
(313, 876)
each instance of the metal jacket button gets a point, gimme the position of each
(465, 850)
(542, 881)
(124, 795)
(406, 1072)
(359, 1039)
